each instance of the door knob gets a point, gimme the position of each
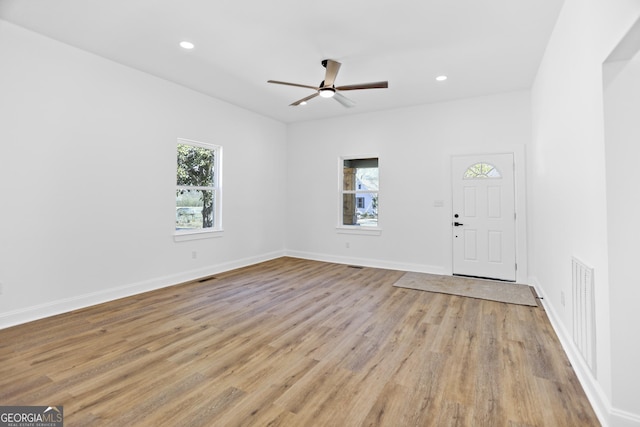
(457, 224)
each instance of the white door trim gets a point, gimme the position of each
(519, 158)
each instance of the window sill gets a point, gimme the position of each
(184, 236)
(363, 231)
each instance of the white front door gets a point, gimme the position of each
(483, 221)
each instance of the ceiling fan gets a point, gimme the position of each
(327, 89)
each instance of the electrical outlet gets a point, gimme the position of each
(194, 255)
(562, 298)
(346, 245)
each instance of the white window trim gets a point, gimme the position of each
(356, 229)
(184, 236)
(217, 230)
(351, 229)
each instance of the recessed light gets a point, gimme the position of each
(441, 78)
(187, 45)
(303, 103)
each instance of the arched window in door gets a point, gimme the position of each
(482, 171)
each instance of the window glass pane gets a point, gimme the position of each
(482, 170)
(360, 174)
(195, 166)
(194, 209)
(367, 179)
(360, 209)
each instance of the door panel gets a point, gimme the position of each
(495, 246)
(470, 202)
(483, 208)
(470, 245)
(494, 202)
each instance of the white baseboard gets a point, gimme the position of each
(608, 415)
(65, 305)
(367, 262)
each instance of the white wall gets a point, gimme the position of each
(87, 176)
(413, 145)
(568, 197)
(622, 133)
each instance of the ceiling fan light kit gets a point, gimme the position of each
(327, 89)
(327, 92)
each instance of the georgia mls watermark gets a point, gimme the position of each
(31, 416)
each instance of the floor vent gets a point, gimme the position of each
(584, 332)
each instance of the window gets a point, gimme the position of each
(359, 192)
(198, 187)
(481, 171)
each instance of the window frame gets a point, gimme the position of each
(356, 229)
(216, 230)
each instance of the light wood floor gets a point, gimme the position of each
(295, 343)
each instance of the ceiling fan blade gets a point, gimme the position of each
(344, 100)
(332, 71)
(305, 99)
(293, 84)
(374, 85)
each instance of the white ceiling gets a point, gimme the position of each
(484, 46)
